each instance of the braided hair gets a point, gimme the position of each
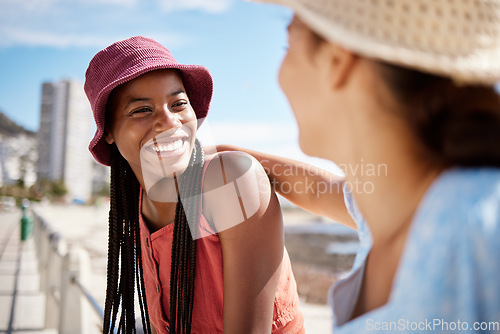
(124, 269)
(183, 263)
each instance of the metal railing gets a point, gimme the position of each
(64, 276)
(93, 302)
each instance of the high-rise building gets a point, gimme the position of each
(64, 134)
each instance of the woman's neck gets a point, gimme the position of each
(386, 161)
(157, 214)
(388, 203)
(388, 186)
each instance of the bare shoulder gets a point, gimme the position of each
(232, 166)
(236, 189)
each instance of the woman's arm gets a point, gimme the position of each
(247, 216)
(307, 186)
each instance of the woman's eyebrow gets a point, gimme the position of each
(141, 99)
(178, 92)
(138, 99)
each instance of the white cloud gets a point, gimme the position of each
(20, 36)
(62, 23)
(26, 6)
(27, 37)
(43, 5)
(210, 6)
(125, 3)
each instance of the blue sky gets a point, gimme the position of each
(242, 44)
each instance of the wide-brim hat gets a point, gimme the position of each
(126, 60)
(459, 39)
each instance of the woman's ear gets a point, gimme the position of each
(341, 64)
(108, 138)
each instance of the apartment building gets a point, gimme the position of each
(63, 137)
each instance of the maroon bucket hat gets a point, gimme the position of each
(126, 60)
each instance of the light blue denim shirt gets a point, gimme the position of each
(448, 279)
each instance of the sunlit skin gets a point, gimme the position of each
(346, 114)
(302, 84)
(151, 105)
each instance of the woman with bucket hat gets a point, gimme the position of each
(198, 236)
(407, 85)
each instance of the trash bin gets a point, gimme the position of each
(26, 222)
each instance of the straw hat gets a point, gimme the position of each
(126, 60)
(453, 38)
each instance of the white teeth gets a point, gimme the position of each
(168, 147)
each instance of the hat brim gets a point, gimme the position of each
(470, 58)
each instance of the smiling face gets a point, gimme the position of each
(153, 124)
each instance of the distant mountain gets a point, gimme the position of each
(9, 128)
(18, 153)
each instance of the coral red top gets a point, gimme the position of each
(209, 283)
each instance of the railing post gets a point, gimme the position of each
(44, 255)
(74, 316)
(57, 251)
(36, 234)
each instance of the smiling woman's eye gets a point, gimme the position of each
(179, 105)
(141, 112)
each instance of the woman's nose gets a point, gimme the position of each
(166, 120)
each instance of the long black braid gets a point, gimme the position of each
(183, 265)
(124, 251)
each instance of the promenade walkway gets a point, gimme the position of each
(22, 305)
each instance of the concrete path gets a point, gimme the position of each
(22, 305)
